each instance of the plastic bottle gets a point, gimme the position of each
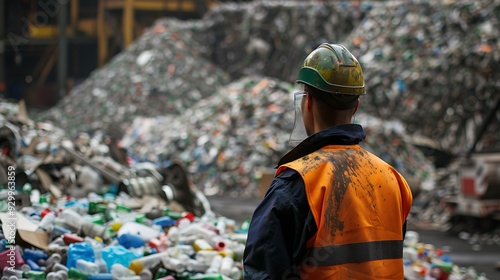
(158, 245)
(34, 255)
(139, 264)
(146, 233)
(71, 238)
(129, 240)
(196, 266)
(146, 274)
(6, 257)
(205, 256)
(51, 261)
(57, 275)
(215, 265)
(173, 264)
(165, 221)
(121, 272)
(411, 238)
(71, 219)
(56, 248)
(226, 265)
(33, 265)
(8, 271)
(89, 268)
(101, 276)
(197, 229)
(218, 243)
(75, 274)
(186, 249)
(77, 251)
(60, 267)
(118, 255)
(221, 225)
(173, 234)
(103, 267)
(201, 244)
(93, 230)
(58, 231)
(236, 273)
(34, 275)
(47, 222)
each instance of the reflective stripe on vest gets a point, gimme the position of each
(354, 253)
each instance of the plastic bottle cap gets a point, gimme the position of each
(136, 266)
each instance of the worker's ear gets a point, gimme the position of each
(356, 107)
(309, 101)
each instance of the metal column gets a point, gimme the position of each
(62, 49)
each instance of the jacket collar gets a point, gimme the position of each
(346, 134)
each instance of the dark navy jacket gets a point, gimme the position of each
(283, 223)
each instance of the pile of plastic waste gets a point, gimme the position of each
(227, 139)
(163, 72)
(272, 38)
(434, 66)
(431, 69)
(108, 237)
(425, 262)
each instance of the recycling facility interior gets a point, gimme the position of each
(208, 92)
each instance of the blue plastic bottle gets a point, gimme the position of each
(34, 255)
(101, 276)
(80, 250)
(129, 240)
(165, 221)
(118, 255)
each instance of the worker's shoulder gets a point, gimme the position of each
(288, 175)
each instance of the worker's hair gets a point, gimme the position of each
(332, 106)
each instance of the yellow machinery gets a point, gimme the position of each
(98, 24)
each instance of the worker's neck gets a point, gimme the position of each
(321, 125)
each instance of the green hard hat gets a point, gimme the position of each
(332, 68)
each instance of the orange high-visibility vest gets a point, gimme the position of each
(360, 204)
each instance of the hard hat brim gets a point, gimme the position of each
(311, 77)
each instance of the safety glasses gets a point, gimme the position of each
(297, 98)
(299, 131)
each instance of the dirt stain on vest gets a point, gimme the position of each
(344, 164)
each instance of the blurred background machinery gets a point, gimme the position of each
(67, 40)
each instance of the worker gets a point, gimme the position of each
(333, 209)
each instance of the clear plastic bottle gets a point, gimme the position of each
(139, 264)
(121, 272)
(47, 222)
(86, 267)
(99, 261)
(71, 219)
